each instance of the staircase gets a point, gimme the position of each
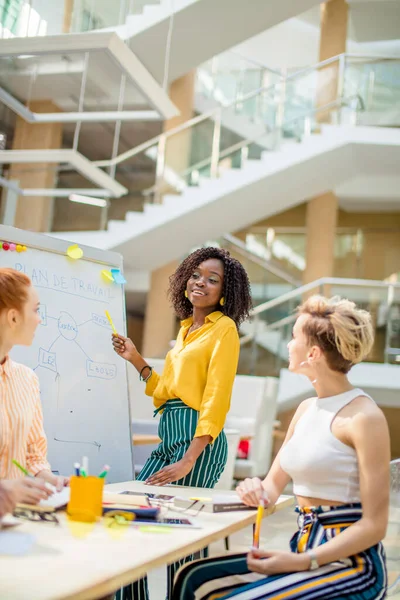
(238, 198)
(148, 32)
(231, 182)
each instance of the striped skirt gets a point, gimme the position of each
(359, 577)
(177, 427)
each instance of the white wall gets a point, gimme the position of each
(295, 44)
(381, 381)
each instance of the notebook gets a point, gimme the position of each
(219, 503)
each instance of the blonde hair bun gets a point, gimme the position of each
(343, 331)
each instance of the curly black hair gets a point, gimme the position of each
(236, 288)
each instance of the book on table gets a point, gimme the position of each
(218, 503)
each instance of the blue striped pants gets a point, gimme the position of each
(177, 427)
(360, 577)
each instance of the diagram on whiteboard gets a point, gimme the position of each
(67, 337)
(69, 330)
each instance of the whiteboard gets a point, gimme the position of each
(84, 386)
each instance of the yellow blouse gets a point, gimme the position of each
(200, 370)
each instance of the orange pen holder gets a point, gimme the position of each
(86, 498)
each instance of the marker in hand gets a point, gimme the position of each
(111, 322)
(260, 514)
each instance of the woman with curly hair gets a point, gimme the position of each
(210, 291)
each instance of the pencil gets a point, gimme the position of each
(21, 468)
(111, 322)
(257, 528)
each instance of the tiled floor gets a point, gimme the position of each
(276, 532)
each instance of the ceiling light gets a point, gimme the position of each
(88, 200)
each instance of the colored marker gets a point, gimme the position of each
(257, 529)
(111, 322)
(77, 467)
(103, 474)
(21, 468)
(85, 466)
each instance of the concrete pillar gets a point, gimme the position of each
(321, 221)
(178, 147)
(67, 19)
(35, 213)
(334, 18)
(160, 321)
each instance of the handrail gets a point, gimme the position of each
(209, 114)
(319, 283)
(267, 131)
(263, 262)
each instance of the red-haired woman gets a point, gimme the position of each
(22, 435)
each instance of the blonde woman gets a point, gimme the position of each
(337, 453)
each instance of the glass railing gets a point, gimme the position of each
(265, 339)
(228, 77)
(30, 18)
(267, 279)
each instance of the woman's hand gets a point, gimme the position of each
(275, 561)
(28, 490)
(8, 498)
(59, 481)
(251, 491)
(124, 347)
(171, 473)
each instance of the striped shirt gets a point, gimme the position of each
(22, 435)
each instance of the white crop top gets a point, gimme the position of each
(320, 465)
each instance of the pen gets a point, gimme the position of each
(111, 322)
(85, 466)
(103, 474)
(257, 528)
(21, 468)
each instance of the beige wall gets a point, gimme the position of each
(135, 326)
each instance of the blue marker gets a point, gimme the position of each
(77, 467)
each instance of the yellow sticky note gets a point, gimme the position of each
(200, 499)
(107, 276)
(75, 252)
(155, 529)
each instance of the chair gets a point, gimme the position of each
(393, 531)
(253, 412)
(142, 453)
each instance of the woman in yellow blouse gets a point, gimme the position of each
(210, 291)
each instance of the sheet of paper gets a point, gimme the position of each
(226, 499)
(58, 499)
(15, 543)
(9, 521)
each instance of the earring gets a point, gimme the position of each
(186, 294)
(305, 362)
(222, 301)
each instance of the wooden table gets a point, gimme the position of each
(62, 566)
(142, 439)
